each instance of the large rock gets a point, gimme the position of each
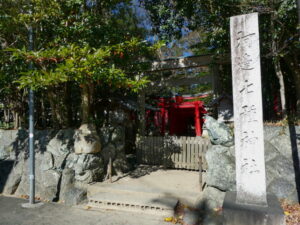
(67, 182)
(46, 181)
(59, 172)
(87, 140)
(12, 177)
(280, 137)
(280, 171)
(7, 138)
(59, 147)
(88, 167)
(75, 196)
(47, 186)
(218, 132)
(221, 168)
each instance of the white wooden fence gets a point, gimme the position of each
(173, 152)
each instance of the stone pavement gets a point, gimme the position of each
(11, 213)
(147, 189)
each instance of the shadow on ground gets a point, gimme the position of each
(295, 153)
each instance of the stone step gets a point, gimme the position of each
(186, 197)
(134, 201)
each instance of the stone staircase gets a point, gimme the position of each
(138, 198)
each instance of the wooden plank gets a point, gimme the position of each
(137, 151)
(152, 162)
(184, 152)
(153, 150)
(178, 151)
(188, 62)
(191, 155)
(197, 157)
(207, 79)
(143, 148)
(173, 157)
(188, 154)
(148, 149)
(200, 168)
(206, 146)
(181, 141)
(185, 144)
(159, 153)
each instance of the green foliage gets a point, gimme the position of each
(108, 65)
(279, 34)
(77, 43)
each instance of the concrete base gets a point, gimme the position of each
(32, 206)
(237, 214)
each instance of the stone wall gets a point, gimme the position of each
(61, 174)
(282, 146)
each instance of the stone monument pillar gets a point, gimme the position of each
(250, 204)
(248, 118)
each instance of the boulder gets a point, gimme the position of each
(7, 140)
(13, 177)
(5, 152)
(47, 161)
(282, 188)
(88, 167)
(46, 181)
(280, 173)
(220, 175)
(60, 147)
(47, 185)
(218, 132)
(87, 140)
(67, 183)
(57, 168)
(75, 196)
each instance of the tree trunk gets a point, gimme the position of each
(56, 118)
(279, 74)
(6, 115)
(282, 88)
(16, 120)
(86, 102)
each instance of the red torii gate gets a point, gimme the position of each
(177, 113)
(209, 61)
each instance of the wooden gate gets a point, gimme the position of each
(173, 152)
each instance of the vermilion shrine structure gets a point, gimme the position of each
(178, 114)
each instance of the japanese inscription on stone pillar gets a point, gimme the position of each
(248, 118)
